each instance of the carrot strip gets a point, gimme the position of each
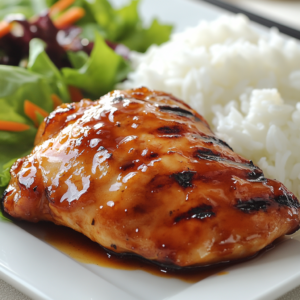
(13, 126)
(31, 109)
(60, 6)
(5, 28)
(75, 93)
(56, 100)
(69, 17)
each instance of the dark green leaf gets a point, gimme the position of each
(100, 73)
(89, 31)
(78, 59)
(142, 39)
(125, 27)
(116, 23)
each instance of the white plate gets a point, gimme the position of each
(42, 272)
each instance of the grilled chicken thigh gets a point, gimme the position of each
(140, 172)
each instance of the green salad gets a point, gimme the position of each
(60, 51)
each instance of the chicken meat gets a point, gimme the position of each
(140, 172)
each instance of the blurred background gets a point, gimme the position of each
(285, 12)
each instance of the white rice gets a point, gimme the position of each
(245, 83)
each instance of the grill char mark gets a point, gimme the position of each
(252, 205)
(287, 200)
(200, 212)
(221, 142)
(184, 178)
(255, 175)
(169, 130)
(212, 139)
(256, 204)
(178, 111)
(205, 153)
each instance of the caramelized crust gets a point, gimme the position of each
(140, 172)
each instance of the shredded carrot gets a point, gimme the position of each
(75, 93)
(56, 100)
(31, 109)
(69, 17)
(5, 28)
(60, 6)
(13, 126)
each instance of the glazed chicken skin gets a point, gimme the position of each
(140, 172)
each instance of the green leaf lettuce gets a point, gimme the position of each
(122, 25)
(40, 63)
(100, 72)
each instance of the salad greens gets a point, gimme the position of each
(94, 74)
(40, 63)
(122, 25)
(50, 68)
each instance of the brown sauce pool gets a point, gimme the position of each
(82, 249)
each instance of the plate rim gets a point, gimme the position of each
(287, 30)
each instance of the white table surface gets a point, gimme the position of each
(286, 12)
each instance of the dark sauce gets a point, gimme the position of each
(82, 249)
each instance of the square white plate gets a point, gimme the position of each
(42, 272)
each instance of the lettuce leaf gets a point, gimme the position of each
(123, 25)
(39, 62)
(141, 39)
(16, 86)
(116, 23)
(78, 59)
(100, 72)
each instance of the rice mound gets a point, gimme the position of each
(246, 84)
